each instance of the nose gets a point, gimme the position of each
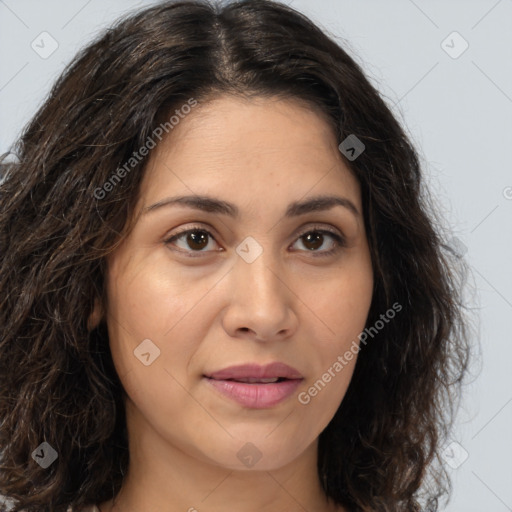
(261, 303)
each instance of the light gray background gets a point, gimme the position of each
(458, 111)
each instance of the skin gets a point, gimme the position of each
(215, 310)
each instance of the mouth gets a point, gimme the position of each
(254, 386)
(252, 380)
(256, 373)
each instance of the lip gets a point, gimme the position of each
(256, 395)
(256, 371)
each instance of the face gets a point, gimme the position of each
(200, 287)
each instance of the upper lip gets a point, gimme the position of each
(256, 371)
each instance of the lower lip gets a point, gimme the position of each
(256, 396)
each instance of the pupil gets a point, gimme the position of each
(193, 238)
(316, 243)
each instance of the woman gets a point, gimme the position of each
(221, 283)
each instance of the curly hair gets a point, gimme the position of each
(57, 377)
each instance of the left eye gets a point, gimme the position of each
(316, 239)
(197, 240)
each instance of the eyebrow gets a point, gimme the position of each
(214, 205)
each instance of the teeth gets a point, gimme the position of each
(252, 380)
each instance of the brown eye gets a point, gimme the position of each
(314, 239)
(195, 240)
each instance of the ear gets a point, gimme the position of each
(96, 315)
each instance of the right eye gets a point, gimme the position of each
(194, 239)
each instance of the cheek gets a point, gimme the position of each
(148, 313)
(320, 398)
(152, 338)
(326, 386)
(342, 305)
(151, 297)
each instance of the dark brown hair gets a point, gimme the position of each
(381, 451)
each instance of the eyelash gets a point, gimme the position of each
(340, 241)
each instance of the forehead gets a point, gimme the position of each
(233, 142)
(237, 123)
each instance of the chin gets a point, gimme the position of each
(252, 455)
